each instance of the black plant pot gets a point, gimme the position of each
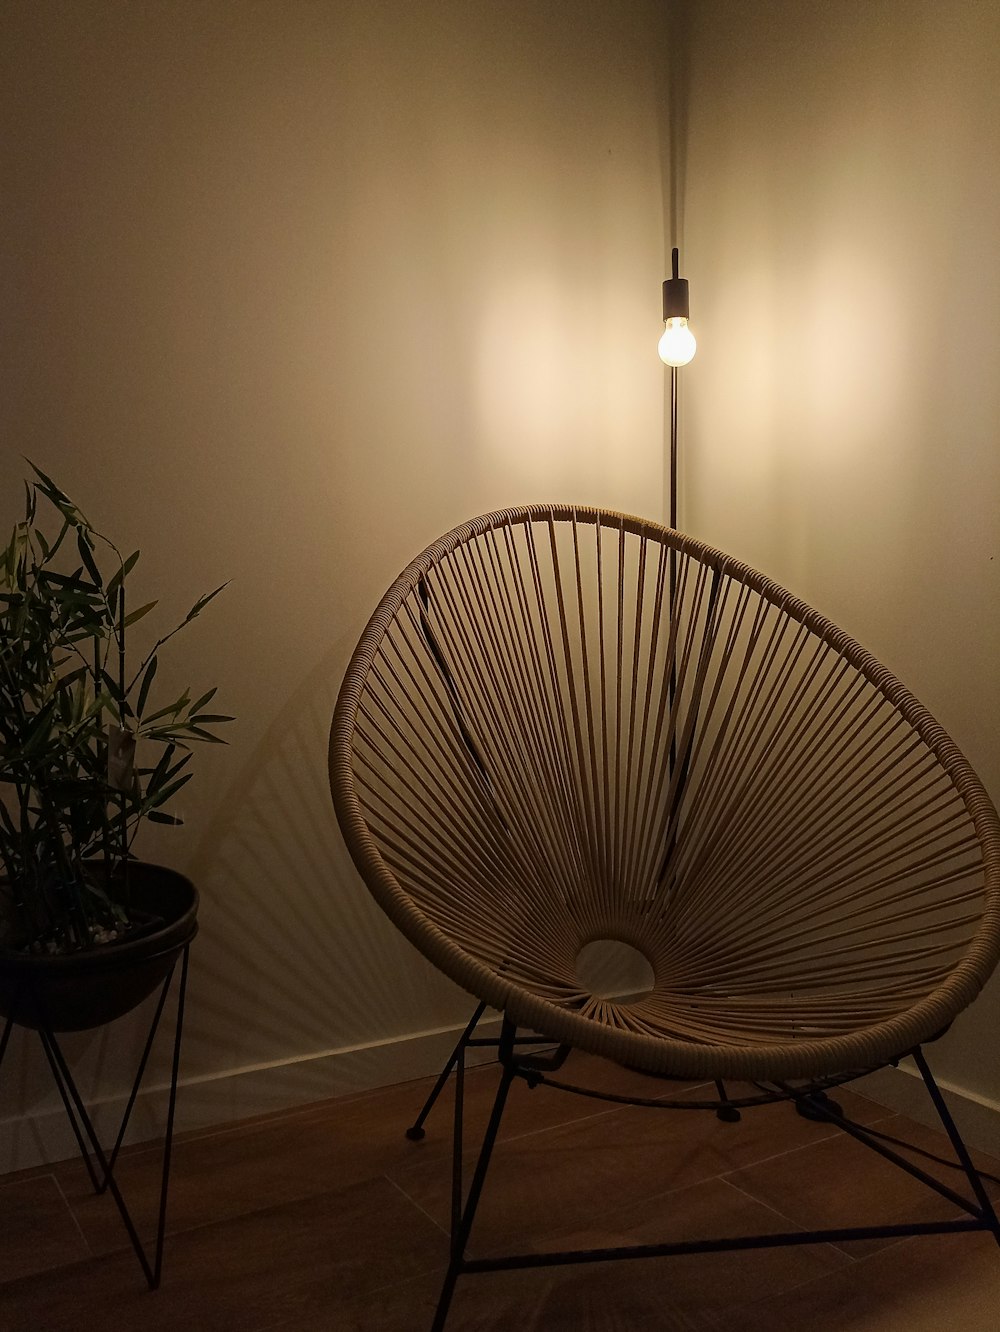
(87, 989)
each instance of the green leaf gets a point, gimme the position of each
(61, 501)
(165, 771)
(67, 525)
(40, 731)
(119, 577)
(147, 680)
(49, 487)
(85, 547)
(99, 703)
(64, 580)
(202, 602)
(138, 614)
(67, 681)
(161, 797)
(157, 816)
(110, 684)
(210, 717)
(113, 706)
(85, 631)
(7, 821)
(182, 762)
(10, 558)
(196, 733)
(159, 773)
(205, 698)
(171, 710)
(170, 733)
(66, 705)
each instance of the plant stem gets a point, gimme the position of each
(122, 794)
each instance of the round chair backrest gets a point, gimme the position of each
(564, 725)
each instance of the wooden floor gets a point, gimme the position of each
(328, 1218)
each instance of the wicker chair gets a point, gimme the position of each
(564, 725)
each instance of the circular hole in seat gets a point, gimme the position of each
(610, 969)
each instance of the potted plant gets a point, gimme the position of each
(87, 754)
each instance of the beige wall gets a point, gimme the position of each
(291, 287)
(842, 219)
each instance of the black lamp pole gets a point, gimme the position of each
(673, 444)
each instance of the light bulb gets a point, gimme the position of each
(677, 343)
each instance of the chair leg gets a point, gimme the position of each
(987, 1209)
(727, 1112)
(416, 1130)
(818, 1107)
(462, 1219)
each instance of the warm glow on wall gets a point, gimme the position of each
(548, 410)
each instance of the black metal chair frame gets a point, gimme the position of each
(563, 725)
(101, 1165)
(810, 1100)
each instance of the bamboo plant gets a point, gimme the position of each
(86, 751)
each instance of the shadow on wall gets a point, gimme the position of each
(339, 294)
(678, 100)
(295, 958)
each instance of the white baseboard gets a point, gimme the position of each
(45, 1137)
(902, 1089)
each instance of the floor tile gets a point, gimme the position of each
(226, 1175)
(701, 1282)
(926, 1284)
(37, 1229)
(538, 1182)
(532, 1109)
(291, 1262)
(279, 1159)
(327, 1217)
(840, 1182)
(557, 1300)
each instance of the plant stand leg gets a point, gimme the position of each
(58, 1061)
(112, 1159)
(86, 1135)
(5, 1039)
(168, 1140)
(416, 1130)
(67, 1094)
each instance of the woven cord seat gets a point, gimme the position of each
(564, 726)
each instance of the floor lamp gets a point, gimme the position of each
(676, 347)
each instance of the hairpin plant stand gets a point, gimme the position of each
(99, 1163)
